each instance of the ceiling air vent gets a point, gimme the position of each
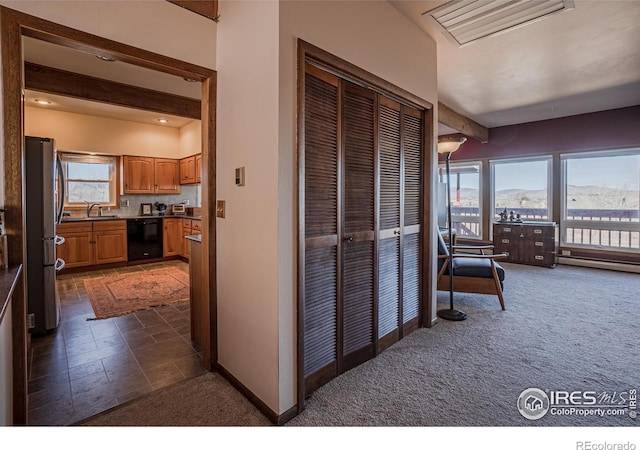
(466, 21)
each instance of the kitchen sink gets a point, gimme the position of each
(83, 219)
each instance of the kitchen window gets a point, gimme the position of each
(90, 178)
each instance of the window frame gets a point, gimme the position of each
(591, 224)
(481, 181)
(492, 190)
(82, 157)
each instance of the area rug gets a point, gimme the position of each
(119, 294)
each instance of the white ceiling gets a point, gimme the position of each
(573, 62)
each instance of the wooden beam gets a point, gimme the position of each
(56, 81)
(206, 8)
(464, 125)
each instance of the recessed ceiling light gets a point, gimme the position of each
(41, 101)
(105, 58)
(163, 120)
(189, 80)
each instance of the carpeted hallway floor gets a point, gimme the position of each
(566, 329)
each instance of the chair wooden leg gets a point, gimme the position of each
(496, 280)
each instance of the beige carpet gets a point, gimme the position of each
(118, 294)
(566, 328)
(208, 400)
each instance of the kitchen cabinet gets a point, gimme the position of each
(172, 237)
(189, 227)
(93, 242)
(146, 175)
(188, 170)
(199, 168)
(191, 169)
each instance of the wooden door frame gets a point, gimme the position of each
(14, 25)
(351, 72)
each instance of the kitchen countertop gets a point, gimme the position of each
(103, 218)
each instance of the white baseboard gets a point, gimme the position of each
(599, 264)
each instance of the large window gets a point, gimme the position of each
(601, 200)
(89, 178)
(522, 186)
(465, 197)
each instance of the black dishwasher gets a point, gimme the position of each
(144, 239)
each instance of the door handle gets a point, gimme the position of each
(59, 240)
(396, 232)
(60, 264)
(348, 239)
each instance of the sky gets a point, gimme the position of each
(612, 172)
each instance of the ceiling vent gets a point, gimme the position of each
(466, 21)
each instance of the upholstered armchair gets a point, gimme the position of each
(477, 273)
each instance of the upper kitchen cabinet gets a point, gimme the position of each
(188, 170)
(191, 169)
(199, 168)
(144, 175)
(167, 176)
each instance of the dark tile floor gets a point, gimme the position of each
(88, 366)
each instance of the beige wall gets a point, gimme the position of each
(256, 129)
(248, 236)
(78, 132)
(191, 139)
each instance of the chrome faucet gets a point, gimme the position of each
(90, 207)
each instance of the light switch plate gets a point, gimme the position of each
(124, 203)
(220, 204)
(240, 176)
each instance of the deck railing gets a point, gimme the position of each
(611, 229)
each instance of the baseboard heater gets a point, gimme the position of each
(599, 264)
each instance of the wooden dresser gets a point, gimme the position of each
(533, 243)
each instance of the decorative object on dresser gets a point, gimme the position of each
(533, 243)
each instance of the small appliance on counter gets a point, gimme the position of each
(161, 207)
(178, 209)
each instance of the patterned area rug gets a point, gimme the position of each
(120, 294)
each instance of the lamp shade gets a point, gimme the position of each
(450, 144)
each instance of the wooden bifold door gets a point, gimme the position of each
(361, 201)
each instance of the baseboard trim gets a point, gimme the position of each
(599, 264)
(274, 418)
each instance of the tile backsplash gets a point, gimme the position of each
(190, 192)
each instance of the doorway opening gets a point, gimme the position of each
(15, 26)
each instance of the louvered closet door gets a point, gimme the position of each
(413, 132)
(389, 267)
(359, 143)
(320, 295)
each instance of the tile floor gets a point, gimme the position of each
(86, 367)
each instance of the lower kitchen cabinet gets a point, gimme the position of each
(92, 243)
(189, 227)
(172, 237)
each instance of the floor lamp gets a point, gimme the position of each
(448, 145)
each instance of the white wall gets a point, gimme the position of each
(257, 129)
(6, 370)
(82, 133)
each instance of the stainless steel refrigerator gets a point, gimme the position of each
(43, 211)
